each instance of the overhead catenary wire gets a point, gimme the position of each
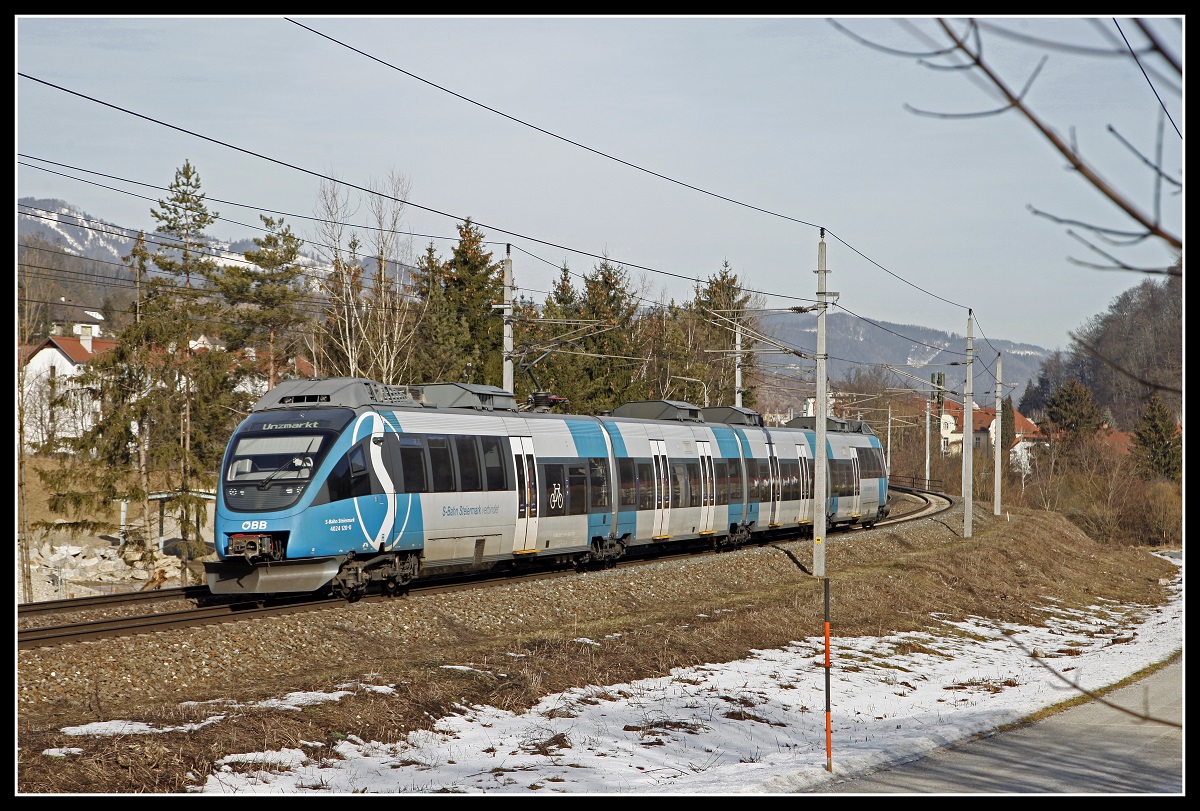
(481, 224)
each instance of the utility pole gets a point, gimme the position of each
(508, 326)
(820, 452)
(889, 448)
(997, 442)
(927, 444)
(968, 445)
(737, 368)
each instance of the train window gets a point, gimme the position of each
(645, 473)
(721, 468)
(765, 480)
(412, 464)
(520, 487)
(468, 463)
(870, 461)
(598, 483)
(736, 491)
(554, 491)
(679, 479)
(842, 483)
(806, 477)
(275, 457)
(494, 459)
(576, 489)
(694, 491)
(358, 462)
(628, 482)
(349, 477)
(441, 463)
(789, 470)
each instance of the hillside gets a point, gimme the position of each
(852, 342)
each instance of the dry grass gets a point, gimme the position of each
(881, 583)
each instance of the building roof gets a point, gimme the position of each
(1118, 440)
(73, 347)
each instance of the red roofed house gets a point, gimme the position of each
(984, 430)
(53, 409)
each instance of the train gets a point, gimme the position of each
(349, 486)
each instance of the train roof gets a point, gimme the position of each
(732, 415)
(331, 392)
(469, 395)
(355, 392)
(659, 410)
(831, 424)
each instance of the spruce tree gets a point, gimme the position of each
(614, 357)
(1071, 411)
(545, 342)
(1158, 445)
(1008, 424)
(264, 299)
(184, 254)
(473, 283)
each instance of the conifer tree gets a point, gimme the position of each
(473, 283)
(443, 335)
(718, 307)
(183, 217)
(1158, 445)
(610, 369)
(1008, 424)
(1071, 411)
(546, 348)
(264, 299)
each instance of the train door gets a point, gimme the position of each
(662, 489)
(525, 537)
(856, 483)
(773, 489)
(708, 487)
(806, 484)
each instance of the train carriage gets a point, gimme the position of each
(346, 484)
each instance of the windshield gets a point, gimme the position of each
(265, 459)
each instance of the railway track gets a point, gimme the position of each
(84, 625)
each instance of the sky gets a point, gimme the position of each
(754, 726)
(671, 145)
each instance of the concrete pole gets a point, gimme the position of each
(927, 443)
(889, 449)
(998, 441)
(737, 368)
(820, 454)
(968, 445)
(508, 326)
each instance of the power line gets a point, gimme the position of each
(480, 224)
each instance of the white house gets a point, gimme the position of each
(54, 408)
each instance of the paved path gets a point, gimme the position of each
(1088, 749)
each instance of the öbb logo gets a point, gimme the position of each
(254, 525)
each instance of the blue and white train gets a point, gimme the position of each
(348, 485)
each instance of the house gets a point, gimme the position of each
(53, 407)
(983, 432)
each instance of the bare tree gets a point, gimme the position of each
(959, 45)
(337, 342)
(393, 309)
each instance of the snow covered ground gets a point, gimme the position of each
(756, 725)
